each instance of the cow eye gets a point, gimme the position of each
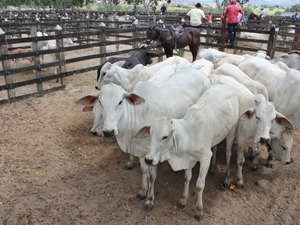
(120, 102)
(99, 102)
(104, 74)
(284, 148)
(257, 117)
(164, 137)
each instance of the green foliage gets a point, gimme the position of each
(295, 8)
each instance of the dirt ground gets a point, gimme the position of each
(53, 171)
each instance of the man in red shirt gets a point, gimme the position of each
(231, 13)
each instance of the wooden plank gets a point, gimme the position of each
(6, 66)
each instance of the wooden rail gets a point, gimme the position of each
(95, 36)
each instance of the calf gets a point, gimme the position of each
(184, 142)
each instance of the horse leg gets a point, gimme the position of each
(168, 52)
(194, 50)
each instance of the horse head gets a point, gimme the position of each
(151, 33)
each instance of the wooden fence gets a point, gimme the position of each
(90, 35)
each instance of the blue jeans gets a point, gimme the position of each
(231, 31)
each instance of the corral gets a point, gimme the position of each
(54, 172)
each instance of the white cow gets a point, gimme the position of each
(184, 142)
(203, 65)
(292, 60)
(233, 71)
(283, 91)
(51, 44)
(125, 113)
(127, 78)
(253, 132)
(112, 73)
(211, 54)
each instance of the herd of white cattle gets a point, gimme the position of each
(179, 112)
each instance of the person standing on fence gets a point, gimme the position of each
(231, 14)
(196, 15)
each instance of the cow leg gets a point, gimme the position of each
(240, 163)
(187, 179)
(229, 143)
(150, 194)
(269, 162)
(130, 163)
(204, 166)
(213, 164)
(143, 191)
(256, 150)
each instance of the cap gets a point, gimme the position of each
(198, 5)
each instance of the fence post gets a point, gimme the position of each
(117, 37)
(102, 38)
(60, 55)
(269, 25)
(36, 58)
(272, 41)
(297, 37)
(235, 41)
(135, 25)
(6, 64)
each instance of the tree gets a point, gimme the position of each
(223, 3)
(295, 8)
(149, 5)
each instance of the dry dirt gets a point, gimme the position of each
(53, 171)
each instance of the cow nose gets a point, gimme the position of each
(287, 163)
(148, 161)
(108, 133)
(264, 141)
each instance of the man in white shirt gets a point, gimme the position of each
(196, 15)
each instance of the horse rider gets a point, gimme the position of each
(232, 14)
(196, 15)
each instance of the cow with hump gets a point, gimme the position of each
(186, 141)
(124, 113)
(282, 86)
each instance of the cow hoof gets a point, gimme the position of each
(148, 206)
(240, 186)
(269, 164)
(254, 168)
(180, 205)
(128, 167)
(140, 196)
(199, 218)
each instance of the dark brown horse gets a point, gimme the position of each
(165, 35)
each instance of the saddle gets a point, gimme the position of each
(176, 32)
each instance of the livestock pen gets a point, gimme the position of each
(53, 171)
(92, 34)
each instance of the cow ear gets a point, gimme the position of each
(134, 99)
(143, 132)
(248, 114)
(282, 120)
(120, 63)
(88, 100)
(88, 108)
